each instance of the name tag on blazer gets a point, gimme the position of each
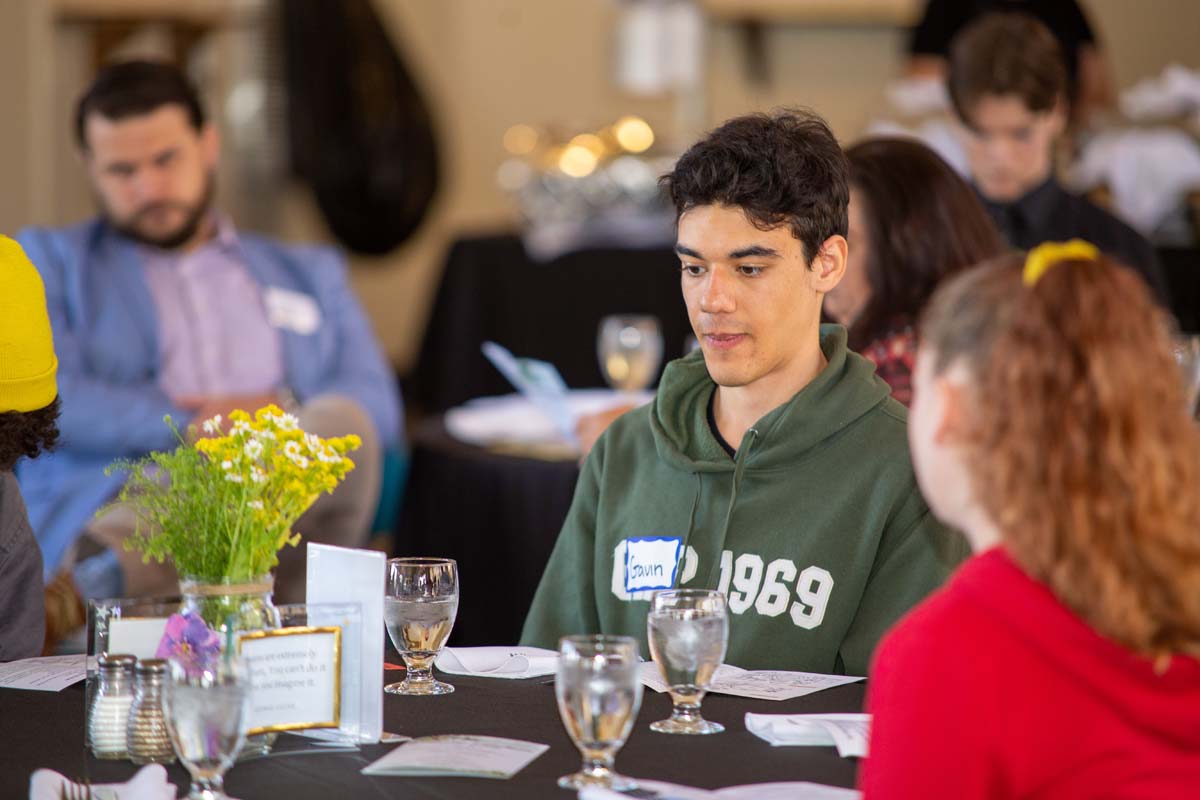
(291, 311)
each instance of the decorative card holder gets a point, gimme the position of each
(304, 675)
(127, 625)
(345, 575)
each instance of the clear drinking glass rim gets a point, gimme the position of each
(422, 561)
(688, 593)
(604, 642)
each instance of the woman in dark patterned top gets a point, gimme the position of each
(913, 221)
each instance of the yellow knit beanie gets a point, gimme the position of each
(27, 361)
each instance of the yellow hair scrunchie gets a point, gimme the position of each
(1045, 256)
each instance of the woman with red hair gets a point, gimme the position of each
(1049, 425)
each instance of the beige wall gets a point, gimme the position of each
(486, 64)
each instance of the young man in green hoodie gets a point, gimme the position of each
(772, 465)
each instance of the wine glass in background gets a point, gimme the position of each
(206, 702)
(599, 692)
(419, 610)
(688, 631)
(1187, 357)
(630, 348)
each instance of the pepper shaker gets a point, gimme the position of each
(147, 739)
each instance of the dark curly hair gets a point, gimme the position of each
(782, 167)
(27, 433)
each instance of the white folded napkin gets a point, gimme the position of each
(847, 732)
(514, 418)
(658, 790)
(498, 662)
(150, 783)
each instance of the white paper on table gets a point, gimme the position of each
(847, 732)
(346, 575)
(136, 636)
(790, 790)
(498, 662)
(150, 783)
(766, 684)
(465, 756)
(47, 674)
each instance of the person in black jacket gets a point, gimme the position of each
(1008, 86)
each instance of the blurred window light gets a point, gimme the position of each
(521, 140)
(634, 134)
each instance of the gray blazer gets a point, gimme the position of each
(22, 602)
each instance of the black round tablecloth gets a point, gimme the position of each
(45, 729)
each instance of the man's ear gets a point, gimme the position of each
(829, 265)
(210, 144)
(1059, 116)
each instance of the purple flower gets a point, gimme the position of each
(189, 641)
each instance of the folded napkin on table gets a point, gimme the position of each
(847, 732)
(514, 418)
(498, 662)
(150, 783)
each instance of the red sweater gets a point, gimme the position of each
(992, 688)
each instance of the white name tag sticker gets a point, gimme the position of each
(291, 311)
(295, 678)
(650, 562)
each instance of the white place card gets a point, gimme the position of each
(136, 636)
(295, 678)
(763, 684)
(346, 575)
(848, 732)
(498, 662)
(48, 674)
(463, 756)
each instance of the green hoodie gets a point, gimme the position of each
(816, 531)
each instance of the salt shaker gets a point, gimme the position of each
(108, 716)
(147, 739)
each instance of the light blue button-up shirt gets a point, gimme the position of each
(214, 335)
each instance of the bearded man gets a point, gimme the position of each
(160, 306)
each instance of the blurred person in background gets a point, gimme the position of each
(28, 411)
(913, 222)
(1089, 77)
(160, 306)
(1049, 426)
(1008, 86)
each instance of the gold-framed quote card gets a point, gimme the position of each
(295, 678)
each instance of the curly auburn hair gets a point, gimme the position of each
(782, 167)
(1080, 444)
(27, 433)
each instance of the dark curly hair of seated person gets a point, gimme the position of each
(27, 433)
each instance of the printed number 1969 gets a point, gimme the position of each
(743, 579)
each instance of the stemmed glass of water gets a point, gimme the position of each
(419, 610)
(206, 703)
(688, 631)
(630, 348)
(599, 692)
